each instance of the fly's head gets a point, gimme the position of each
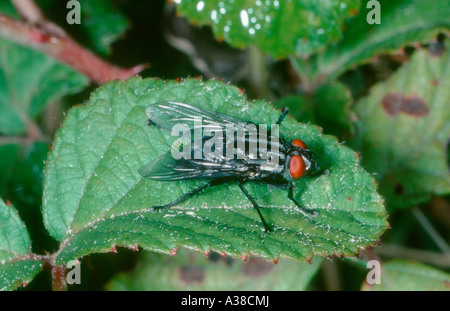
(300, 161)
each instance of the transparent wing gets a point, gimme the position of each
(168, 114)
(240, 164)
(166, 168)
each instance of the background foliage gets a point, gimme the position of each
(382, 90)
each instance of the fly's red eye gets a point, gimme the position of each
(299, 143)
(297, 166)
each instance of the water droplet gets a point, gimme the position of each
(214, 15)
(200, 6)
(244, 18)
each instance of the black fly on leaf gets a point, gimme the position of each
(222, 149)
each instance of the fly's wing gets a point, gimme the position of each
(168, 114)
(167, 168)
(160, 169)
(241, 163)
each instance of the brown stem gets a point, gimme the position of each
(59, 278)
(48, 38)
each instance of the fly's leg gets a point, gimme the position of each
(256, 206)
(185, 196)
(283, 115)
(291, 197)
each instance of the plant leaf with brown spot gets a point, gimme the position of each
(193, 271)
(403, 129)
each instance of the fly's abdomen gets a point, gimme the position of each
(251, 153)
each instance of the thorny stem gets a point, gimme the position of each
(45, 36)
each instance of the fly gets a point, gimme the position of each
(247, 155)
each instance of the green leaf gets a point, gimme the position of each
(189, 271)
(278, 28)
(404, 275)
(94, 197)
(25, 93)
(15, 268)
(402, 130)
(402, 22)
